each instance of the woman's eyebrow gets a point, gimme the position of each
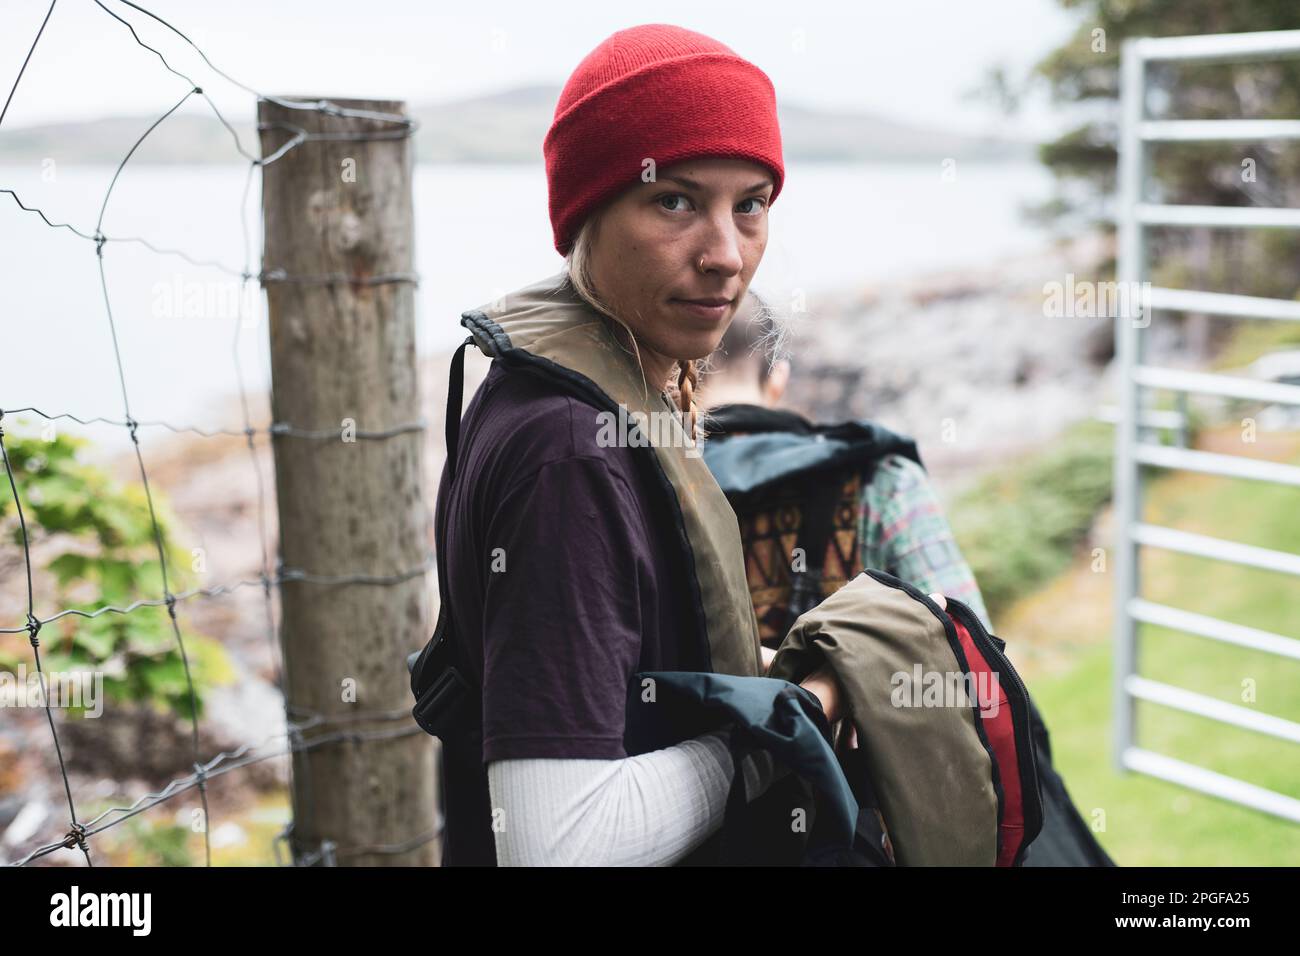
(692, 184)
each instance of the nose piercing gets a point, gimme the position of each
(701, 263)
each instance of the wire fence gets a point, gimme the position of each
(298, 721)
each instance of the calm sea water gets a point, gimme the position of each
(480, 231)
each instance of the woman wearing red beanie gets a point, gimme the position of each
(560, 561)
(646, 99)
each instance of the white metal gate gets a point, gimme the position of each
(1133, 451)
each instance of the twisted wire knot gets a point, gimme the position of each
(76, 837)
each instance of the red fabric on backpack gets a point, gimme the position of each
(1002, 739)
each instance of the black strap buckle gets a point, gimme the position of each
(439, 685)
(440, 709)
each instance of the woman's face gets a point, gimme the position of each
(645, 262)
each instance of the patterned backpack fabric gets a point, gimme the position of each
(796, 489)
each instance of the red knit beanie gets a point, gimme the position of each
(656, 92)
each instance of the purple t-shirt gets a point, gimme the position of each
(560, 569)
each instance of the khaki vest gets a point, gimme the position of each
(548, 329)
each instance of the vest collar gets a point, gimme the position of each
(546, 328)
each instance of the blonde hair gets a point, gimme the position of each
(578, 270)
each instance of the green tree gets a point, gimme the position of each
(106, 556)
(1083, 75)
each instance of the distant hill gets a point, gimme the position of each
(506, 127)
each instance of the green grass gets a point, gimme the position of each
(1255, 338)
(1148, 821)
(1018, 527)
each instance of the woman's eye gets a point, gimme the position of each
(668, 201)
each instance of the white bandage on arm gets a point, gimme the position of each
(648, 810)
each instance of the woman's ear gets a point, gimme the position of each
(774, 387)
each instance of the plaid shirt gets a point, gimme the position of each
(903, 531)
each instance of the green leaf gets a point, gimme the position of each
(117, 580)
(165, 677)
(95, 639)
(70, 567)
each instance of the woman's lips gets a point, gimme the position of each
(715, 313)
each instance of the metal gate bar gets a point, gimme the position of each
(1132, 453)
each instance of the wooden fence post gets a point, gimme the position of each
(343, 362)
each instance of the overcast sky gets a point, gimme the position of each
(910, 61)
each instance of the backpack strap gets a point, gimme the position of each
(443, 695)
(455, 396)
